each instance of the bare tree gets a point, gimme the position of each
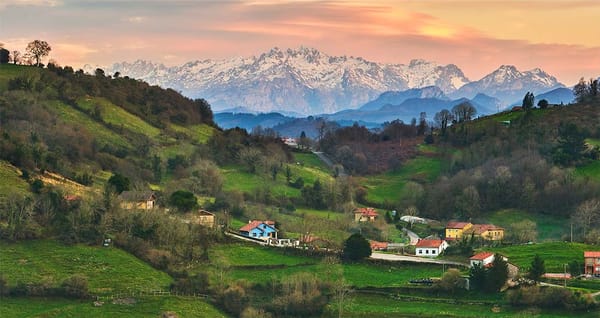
(587, 215)
(442, 118)
(464, 111)
(16, 57)
(38, 49)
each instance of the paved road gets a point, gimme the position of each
(414, 238)
(404, 258)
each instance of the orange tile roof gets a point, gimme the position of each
(591, 254)
(378, 245)
(480, 228)
(429, 243)
(481, 256)
(366, 211)
(456, 225)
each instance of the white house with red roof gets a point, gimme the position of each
(365, 215)
(483, 259)
(259, 229)
(430, 247)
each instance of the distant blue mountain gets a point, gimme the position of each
(412, 107)
(557, 96)
(398, 97)
(248, 121)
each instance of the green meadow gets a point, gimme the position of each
(11, 180)
(108, 270)
(554, 254)
(549, 227)
(143, 307)
(389, 186)
(118, 116)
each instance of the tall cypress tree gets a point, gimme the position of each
(537, 268)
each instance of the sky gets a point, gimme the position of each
(560, 36)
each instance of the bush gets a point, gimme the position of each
(75, 286)
(183, 200)
(356, 247)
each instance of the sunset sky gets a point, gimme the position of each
(561, 36)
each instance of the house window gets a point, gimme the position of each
(432, 251)
(420, 251)
(426, 251)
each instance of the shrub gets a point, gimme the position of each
(75, 286)
(356, 247)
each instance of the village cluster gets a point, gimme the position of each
(265, 232)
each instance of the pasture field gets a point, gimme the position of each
(260, 264)
(104, 135)
(11, 180)
(108, 270)
(378, 306)
(8, 71)
(198, 133)
(147, 306)
(118, 116)
(389, 186)
(241, 254)
(554, 254)
(549, 227)
(591, 170)
(310, 160)
(310, 169)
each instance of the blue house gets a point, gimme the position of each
(259, 229)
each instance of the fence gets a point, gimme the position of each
(148, 293)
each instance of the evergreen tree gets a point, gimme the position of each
(477, 277)
(497, 275)
(537, 268)
(528, 100)
(356, 247)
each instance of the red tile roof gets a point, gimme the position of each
(248, 227)
(591, 254)
(429, 243)
(366, 211)
(378, 245)
(481, 256)
(456, 225)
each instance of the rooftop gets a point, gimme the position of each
(591, 254)
(367, 211)
(457, 225)
(429, 243)
(481, 256)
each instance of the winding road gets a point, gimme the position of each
(414, 259)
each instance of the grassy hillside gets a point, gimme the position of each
(305, 165)
(554, 254)
(390, 186)
(143, 307)
(117, 116)
(11, 180)
(109, 270)
(549, 228)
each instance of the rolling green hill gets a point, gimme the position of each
(51, 262)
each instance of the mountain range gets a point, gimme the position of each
(307, 81)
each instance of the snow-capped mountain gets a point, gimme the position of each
(507, 84)
(307, 81)
(304, 80)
